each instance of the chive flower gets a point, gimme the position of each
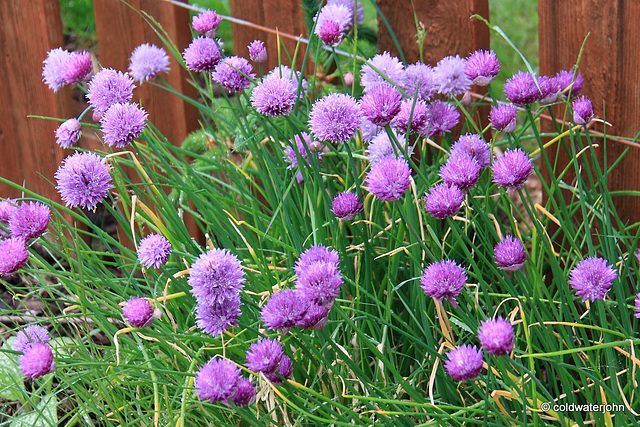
(592, 278)
(29, 220)
(215, 318)
(203, 54)
(257, 51)
(245, 394)
(233, 73)
(381, 103)
(512, 169)
(154, 250)
(582, 110)
(68, 133)
(216, 276)
(570, 84)
(521, 89)
(444, 280)
(332, 23)
(382, 64)
(37, 361)
(217, 380)
(335, 117)
(509, 254)
(138, 311)
(206, 23)
(473, 145)
(464, 363)
(389, 178)
(346, 206)
(13, 255)
(122, 124)
(482, 67)
(419, 81)
(450, 77)
(147, 61)
(503, 118)
(413, 117)
(443, 200)
(109, 87)
(442, 117)
(274, 96)
(29, 336)
(83, 180)
(497, 336)
(461, 170)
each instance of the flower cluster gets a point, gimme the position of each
(220, 380)
(19, 223)
(267, 356)
(37, 357)
(62, 68)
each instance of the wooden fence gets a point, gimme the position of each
(31, 27)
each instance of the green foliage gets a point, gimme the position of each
(78, 19)
(379, 360)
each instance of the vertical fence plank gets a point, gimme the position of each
(27, 146)
(450, 29)
(611, 68)
(285, 15)
(121, 29)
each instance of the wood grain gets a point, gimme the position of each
(27, 147)
(285, 15)
(611, 69)
(450, 28)
(121, 29)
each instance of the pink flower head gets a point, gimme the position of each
(53, 71)
(503, 118)
(203, 54)
(474, 146)
(217, 380)
(68, 133)
(30, 335)
(109, 87)
(482, 67)
(461, 170)
(37, 361)
(154, 250)
(13, 255)
(335, 118)
(521, 89)
(592, 278)
(206, 23)
(332, 23)
(77, 68)
(582, 110)
(413, 117)
(138, 312)
(509, 254)
(83, 180)
(29, 220)
(380, 66)
(257, 52)
(443, 200)
(216, 317)
(450, 77)
(389, 178)
(464, 363)
(444, 280)
(497, 336)
(147, 61)
(122, 124)
(512, 169)
(381, 103)
(419, 81)
(274, 96)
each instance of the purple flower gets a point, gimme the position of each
(13, 255)
(315, 317)
(109, 87)
(217, 317)
(295, 76)
(464, 363)
(419, 81)
(381, 103)
(202, 54)
(77, 68)
(138, 312)
(637, 303)
(319, 283)
(443, 200)
(29, 220)
(217, 380)
(303, 146)
(154, 250)
(389, 178)
(206, 23)
(68, 133)
(346, 206)
(383, 64)
(450, 77)
(550, 88)
(442, 117)
(592, 278)
(245, 393)
(503, 118)
(54, 68)
(510, 254)
(512, 169)
(582, 110)
(285, 370)
(335, 118)
(274, 96)
(29, 336)
(264, 355)
(216, 276)
(461, 170)
(7, 207)
(122, 124)
(147, 61)
(83, 180)
(369, 130)
(316, 254)
(37, 361)
(444, 280)
(474, 146)
(351, 5)
(332, 23)
(257, 52)
(284, 310)
(497, 336)
(521, 89)
(381, 146)
(233, 73)
(413, 117)
(568, 84)
(482, 67)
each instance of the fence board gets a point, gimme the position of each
(611, 68)
(285, 15)
(450, 30)
(27, 145)
(120, 29)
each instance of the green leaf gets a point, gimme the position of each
(11, 384)
(45, 414)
